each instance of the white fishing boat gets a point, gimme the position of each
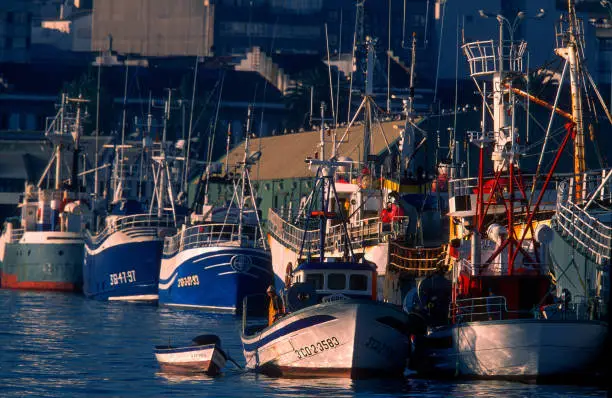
(508, 317)
(333, 326)
(203, 356)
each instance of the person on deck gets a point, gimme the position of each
(275, 309)
(386, 213)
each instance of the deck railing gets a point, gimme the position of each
(478, 309)
(207, 235)
(416, 260)
(16, 235)
(592, 237)
(140, 221)
(366, 232)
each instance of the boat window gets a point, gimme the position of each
(358, 282)
(316, 280)
(336, 281)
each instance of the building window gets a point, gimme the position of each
(19, 42)
(14, 121)
(8, 42)
(9, 17)
(3, 121)
(21, 17)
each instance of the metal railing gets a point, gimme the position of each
(484, 56)
(366, 232)
(419, 260)
(142, 222)
(592, 237)
(207, 235)
(16, 235)
(478, 309)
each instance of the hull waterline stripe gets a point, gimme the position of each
(142, 297)
(290, 328)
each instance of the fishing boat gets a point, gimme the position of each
(43, 249)
(203, 356)
(221, 256)
(507, 318)
(333, 325)
(123, 259)
(391, 204)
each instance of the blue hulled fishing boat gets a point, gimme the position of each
(221, 256)
(122, 260)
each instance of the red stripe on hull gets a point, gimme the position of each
(8, 281)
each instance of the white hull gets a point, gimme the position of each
(339, 339)
(526, 348)
(206, 358)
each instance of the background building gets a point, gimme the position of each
(154, 28)
(15, 36)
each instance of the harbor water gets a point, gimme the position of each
(56, 344)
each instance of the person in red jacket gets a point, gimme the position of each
(386, 213)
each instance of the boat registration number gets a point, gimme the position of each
(317, 347)
(191, 280)
(122, 277)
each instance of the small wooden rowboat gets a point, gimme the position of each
(203, 356)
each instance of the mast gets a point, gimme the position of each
(244, 170)
(76, 134)
(227, 147)
(58, 148)
(570, 50)
(369, 84)
(407, 134)
(96, 183)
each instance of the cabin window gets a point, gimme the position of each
(358, 282)
(316, 280)
(336, 282)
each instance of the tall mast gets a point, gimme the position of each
(369, 84)
(407, 134)
(58, 149)
(244, 170)
(76, 134)
(569, 49)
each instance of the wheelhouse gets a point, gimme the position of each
(356, 280)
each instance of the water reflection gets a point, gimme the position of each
(65, 345)
(184, 378)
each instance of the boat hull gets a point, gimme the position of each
(346, 338)
(193, 359)
(123, 268)
(43, 265)
(214, 278)
(519, 349)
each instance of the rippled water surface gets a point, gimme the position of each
(55, 344)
